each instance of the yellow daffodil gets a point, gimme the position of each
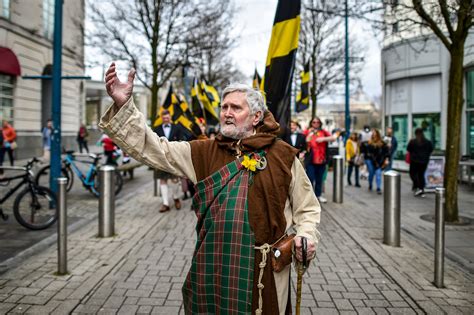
(249, 163)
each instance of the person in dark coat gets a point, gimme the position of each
(376, 156)
(172, 132)
(420, 150)
(296, 138)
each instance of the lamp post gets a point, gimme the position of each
(346, 70)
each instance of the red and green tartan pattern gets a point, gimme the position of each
(220, 280)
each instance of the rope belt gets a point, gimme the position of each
(264, 249)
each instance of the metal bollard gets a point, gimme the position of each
(338, 182)
(391, 208)
(439, 238)
(156, 184)
(62, 226)
(106, 201)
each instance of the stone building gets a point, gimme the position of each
(26, 48)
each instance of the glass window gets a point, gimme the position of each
(48, 18)
(431, 125)
(5, 8)
(470, 134)
(470, 89)
(6, 97)
(400, 131)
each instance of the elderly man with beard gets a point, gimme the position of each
(250, 190)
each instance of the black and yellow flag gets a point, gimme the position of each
(211, 93)
(208, 112)
(302, 97)
(257, 80)
(198, 111)
(171, 101)
(183, 116)
(281, 60)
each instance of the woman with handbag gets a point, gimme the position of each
(377, 156)
(353, 158)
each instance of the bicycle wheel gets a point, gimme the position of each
(35, 208)
(96, 188)
(42, 177)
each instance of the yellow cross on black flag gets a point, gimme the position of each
(280, 61)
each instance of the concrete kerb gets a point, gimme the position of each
(417, 296)
(460, 261)
(52, 239)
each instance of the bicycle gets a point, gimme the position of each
(35, 206)
(90, 180)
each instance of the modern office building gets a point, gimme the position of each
(26, 49)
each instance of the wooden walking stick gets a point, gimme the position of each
(301, 267)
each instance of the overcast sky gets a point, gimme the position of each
(254, 21)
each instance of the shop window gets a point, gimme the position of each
(470, 112)
(5, 8)
(400, 131)
(48, 19)
(6, 97)
(431, 125)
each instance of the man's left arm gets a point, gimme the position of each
(306, 209)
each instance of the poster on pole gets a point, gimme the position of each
(434, 175)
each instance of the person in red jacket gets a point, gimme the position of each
(9, 142)
(317, 140)
(109, 149)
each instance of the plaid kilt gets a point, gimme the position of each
(220, 280)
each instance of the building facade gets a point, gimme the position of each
(363, 111)
(415, 74)
(26, 44)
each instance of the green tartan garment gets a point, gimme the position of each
(220, 280)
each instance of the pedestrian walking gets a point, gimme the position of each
(9, 142)
(110, 150)
(317, 140)
(82, 138)
(376, 156)
(420, 150)
(250, 190)
(353, 158)
(392, 144)
(171, 184)
(47, 134)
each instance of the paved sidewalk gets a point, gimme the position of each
(412, 264)
(142, 269)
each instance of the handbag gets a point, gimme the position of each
(359, 160)
(282, 253)
(13, 145)
(407, 157)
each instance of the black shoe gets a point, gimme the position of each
(370, 188)
(379, 192)
(357, 185)
(349, 183)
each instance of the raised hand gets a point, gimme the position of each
(120, 92)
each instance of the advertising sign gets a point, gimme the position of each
(434, 174)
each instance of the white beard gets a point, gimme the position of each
(237, 133)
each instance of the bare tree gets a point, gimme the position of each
(211, 58)
(323, 45)
(157, 37)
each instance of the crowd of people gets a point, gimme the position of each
(367, 155)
